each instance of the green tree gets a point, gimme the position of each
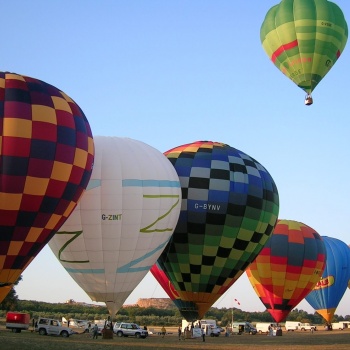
(10, 302)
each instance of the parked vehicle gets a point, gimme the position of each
(340, 325)
(243, 327)
(307, 327)
(17, 321)
(49, 326)
(263, 327)
(291, 325)
(75, 323)
(211, 330)
(123, 329)
(209, 325)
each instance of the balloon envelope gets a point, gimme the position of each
(229, 208)
(304, 39)
(46, 156)
(187, 308)
(123, 221)
(328, 292)
(288, 267)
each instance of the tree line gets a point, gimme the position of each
(150, 315)
(144, 316)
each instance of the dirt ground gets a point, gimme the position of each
(320, 340)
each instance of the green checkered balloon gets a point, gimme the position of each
(229, 208)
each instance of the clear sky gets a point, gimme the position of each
(173, 72)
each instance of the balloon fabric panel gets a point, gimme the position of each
(229, 207)
(46, 150)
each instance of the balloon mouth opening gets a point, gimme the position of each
(308, 100)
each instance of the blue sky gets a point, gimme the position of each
(172, 72)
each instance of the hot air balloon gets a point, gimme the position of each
(304, 39)
(123, 222)
(229, 208)
(46, 156)
(185, 307)
(330, 289)
(288, 267)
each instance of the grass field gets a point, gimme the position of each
(320, 340)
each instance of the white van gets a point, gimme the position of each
(291, 326)
(243, 327)
(340, 325)
(263, 327)
(307, 327)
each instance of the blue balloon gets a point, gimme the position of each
(330, 289)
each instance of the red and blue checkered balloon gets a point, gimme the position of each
(46, 157)
(288, 267)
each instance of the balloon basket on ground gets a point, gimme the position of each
(107, 334)
(188, 334)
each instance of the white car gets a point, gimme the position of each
(129, 329)
(49, 326)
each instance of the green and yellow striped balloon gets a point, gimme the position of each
(304, 38)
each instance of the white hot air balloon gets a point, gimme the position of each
(123, 221)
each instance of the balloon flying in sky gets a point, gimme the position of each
(304, 39)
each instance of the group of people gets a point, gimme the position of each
(271, 329)
(187, 329)
(95, 329)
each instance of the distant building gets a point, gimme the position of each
(73, 302)
(159, 303)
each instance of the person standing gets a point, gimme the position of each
(270, 330)
(95, 330)
(163, 331)
(179, 332)
(203, 334)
